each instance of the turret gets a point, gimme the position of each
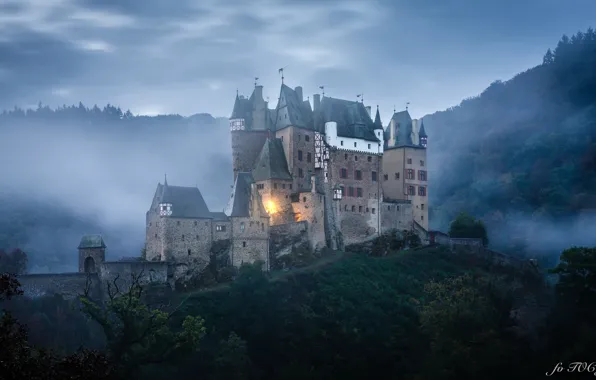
(238, 118)
(378, 128)
(92, 253)
(422, 134)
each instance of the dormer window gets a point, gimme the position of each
(165, 209)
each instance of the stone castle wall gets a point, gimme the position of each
(250, 241)
(275, 195)
(69, 285)
(310, 207)
(122, 271)
(283, 236)
(188, 243)
(299, 147)
(396, 215)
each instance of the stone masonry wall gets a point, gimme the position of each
(396, 215)
(310, 207)
(154, 236)
(188, 242)
(275, 195)
(284, 236)
(69, 285)
(222, 230)
(122, 271)
(299, 146)
(250, 241)
(359, 215)
(98, 255)
(246, 146)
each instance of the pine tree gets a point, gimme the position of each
(548, 58)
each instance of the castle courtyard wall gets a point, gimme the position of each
(122, 272)
(188, 241)
(284, 236)
(250, 241)
(69, 285)
(310, 207)
(396, 215)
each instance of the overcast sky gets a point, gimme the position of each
(190, 56)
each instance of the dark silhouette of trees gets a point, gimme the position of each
(13, 262)
(466, 226)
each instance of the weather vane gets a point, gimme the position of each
(361, 96)
(256, 81)
(407, 104)
(323, 90)
(281, 71)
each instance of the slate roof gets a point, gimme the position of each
(422, 132)
(187, 202)
(298, 111)
(403, 123)
(271, 163)
(92, 241)
(240, 202)
(219, 216)
(378, 124)
(351, 117)
(242, 108)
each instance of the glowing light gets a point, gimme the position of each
(270, 207)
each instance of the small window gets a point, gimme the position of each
(304, 199)
(355, 158)
(345, 156)
(290, 186)
(345, 207)
(373, 176)
(350, 191)
(359, 192)
(389, 208)
(358, 174)
(300, 173)
(422, 206)
(241, 226)
(373, 210)
(368, 146)
(421, 217)
(386, 177)
(367, 209)
(343, 173)
(409, 161)
(149, 224)
(422, 191)
(421, 162)
(396, 175)
(298, 137)
(182, 237)
(299, 155)
(308, 157)
(189, 252)
(283, 185)
(195, 222)
(369, 158)
(177, 222)
(353, 208)
(156, 236)
(306, 138)
(198, 237)
(354, 144)
(359, 208)
(244, 244)
(275, 185)
(341, 143)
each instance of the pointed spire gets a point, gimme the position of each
(378, 124)
(165, 180)
(422, 132)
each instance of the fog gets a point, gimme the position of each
(101, 178)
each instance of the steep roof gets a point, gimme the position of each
(219, 216)
(378, 124)
(291, 110)
(271, 163)
(239, 204)
(351, 117)
(242, 108)
(403, 123)
(92, 241)
(187, 202)
(422, 132)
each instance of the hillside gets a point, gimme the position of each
(522, 155)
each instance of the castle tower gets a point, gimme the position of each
(422, 134)
(250, 125)
(92, 253)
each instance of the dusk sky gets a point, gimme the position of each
(189, 57)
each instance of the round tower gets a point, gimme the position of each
(92, 253)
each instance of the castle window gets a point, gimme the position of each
(341, 143)
(368, 146)
(189, 252)
(397, 208)
(422, 206)
(421, 217)
(359, 208)
(386, 177)
(410, 174)
(409, 161)
(369, 158)
(220, 228)
(283, 185)
(354, 144)
(359, 192)
(411, 190)
(422, 175)
(308, 157)
(304, 199)
(345, 156)
(177, 222)
(353, 208)
(343, 173)
(306, 138)
(275, 186)
(300, 173)
(182, 237)
(422, 191)
(343, 189)
(298, 137)
(345, 207)
(421, 162)
(290, 186)
(389, 208)
(244, 244)
(396, 175)
(350, 191)
(373, 176)
(299, 155)
(149, 224)
(367, 209)
(355, 158)
(195, 222)
(358, 174)
(373, 210)
(242, 227)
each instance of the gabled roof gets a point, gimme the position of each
(271, 163)
(242, 108)
(351, 117)
(187, 202)
(92, 241)
(298, 112)
(378, 124)
(239, 204)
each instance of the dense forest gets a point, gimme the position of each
(522, 155)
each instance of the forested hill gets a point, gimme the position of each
(77, 170)
(522, 155)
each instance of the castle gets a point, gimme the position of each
(324, 175)
(328, 171)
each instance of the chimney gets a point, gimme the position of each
(299, 93)
(368, 109)
(259, 92)
(316, 100)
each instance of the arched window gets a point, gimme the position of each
(89, 265)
